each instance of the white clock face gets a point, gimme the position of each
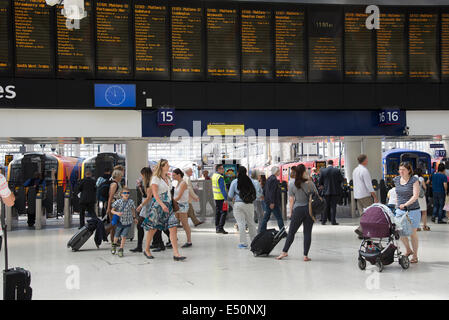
(115, 95)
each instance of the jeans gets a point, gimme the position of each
(277, 213)
(244, 213)
(259, 209)
(438, 204)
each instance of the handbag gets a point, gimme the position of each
(175, 205)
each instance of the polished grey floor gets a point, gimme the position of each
(217, 269)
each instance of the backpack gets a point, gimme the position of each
(250, 196)
(103, 190)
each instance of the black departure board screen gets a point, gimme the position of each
(113, 38)
(75, 44)
(423, 46)
(290, 46)
(445, 46)
(391, 47)
(151, 41)
(34, 50)
(325, 45)
(187, 44)
(222, 44)
(5, 56)
(257, 50)
(359, 47)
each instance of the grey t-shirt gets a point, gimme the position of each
(405, 192)
(301, 195)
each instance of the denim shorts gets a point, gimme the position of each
(415, 216)
(122, 231)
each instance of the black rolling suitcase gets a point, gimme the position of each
(265, 241)
(16, 281)
(80, 238)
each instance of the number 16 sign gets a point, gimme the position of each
(166, 117)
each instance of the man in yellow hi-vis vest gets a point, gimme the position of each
(220, 197)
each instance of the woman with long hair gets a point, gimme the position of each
(243, 191)
(115, 190)
(181, 196)
(143, 208)
(161, 216)
(407, 191)
(299, 192)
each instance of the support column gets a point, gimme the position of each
(136, 159)
(372, 147)
(353, 149)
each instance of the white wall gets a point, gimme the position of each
(70, 123)
(428, 122)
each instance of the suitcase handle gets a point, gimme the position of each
(4, 227)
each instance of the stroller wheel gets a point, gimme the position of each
(362, 264)
(380, 265)
(404, 262)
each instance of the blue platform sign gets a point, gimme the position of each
(440, 153)
(115, 95)
(389, 117)
(166, 117)
(436, 146)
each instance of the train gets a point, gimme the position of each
(393, 158)
(97, 164)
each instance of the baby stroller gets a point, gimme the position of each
(379, 239)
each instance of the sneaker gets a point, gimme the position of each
(114, 248)
(242, 246)
(442, 222)
(120, 252)
(433, 219)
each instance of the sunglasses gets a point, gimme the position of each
(125, 192)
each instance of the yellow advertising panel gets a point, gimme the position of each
(225, 129)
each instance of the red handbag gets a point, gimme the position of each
(225, 206)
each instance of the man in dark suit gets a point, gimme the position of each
(331, 179)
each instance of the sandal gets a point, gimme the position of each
(408, 254)
(426, 228)
(307, 259)
(414, 260)
(419, 229)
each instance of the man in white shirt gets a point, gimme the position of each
(6, 194)
(364, 193)
(192, 196)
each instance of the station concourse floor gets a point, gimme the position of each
(216, 269)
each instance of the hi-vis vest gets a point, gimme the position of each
(216, 187)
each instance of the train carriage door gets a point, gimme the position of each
(410, 158)
(102, 162)
(32, 164)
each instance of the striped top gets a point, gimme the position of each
(4, 190)
(405, 192)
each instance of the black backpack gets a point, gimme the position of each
(103, 190)
(250, 196)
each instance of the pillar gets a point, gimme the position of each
(372, 147)
(353, 148)
(136, 159)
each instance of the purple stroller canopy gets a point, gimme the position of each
(375, 223)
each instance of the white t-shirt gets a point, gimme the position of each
(162, 186)
(185, 196)
(4, 190)
(363, 185)
(392, 197)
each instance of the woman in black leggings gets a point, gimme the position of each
(299, 192)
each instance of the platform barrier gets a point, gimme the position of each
(67, 211)
(41, 218)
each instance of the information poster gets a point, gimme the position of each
(5, 47)
(325, 45)
(33, 35)
(222, 44)
(290, 45)
(151, 40)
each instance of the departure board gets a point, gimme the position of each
(34, 50)
(445, 46)
(5, 61)
(290, 48)
(151, 41)
(222, 44)
(187, 44)
(113, 32)
(423, 46)
(359, 47)
(325, 46)
(75, 44)
(391, 47)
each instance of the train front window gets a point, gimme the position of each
(424, 165)
(393, 166)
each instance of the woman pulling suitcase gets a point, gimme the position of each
(299, 192)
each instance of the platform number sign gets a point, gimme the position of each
(389, 117)
(440, 153)
(166, 117)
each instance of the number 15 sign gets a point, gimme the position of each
(166, 117)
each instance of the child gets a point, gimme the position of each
(392, 199)
(125, 209)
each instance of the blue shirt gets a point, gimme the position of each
(222, 186)
(234, 192)
(438, 179)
